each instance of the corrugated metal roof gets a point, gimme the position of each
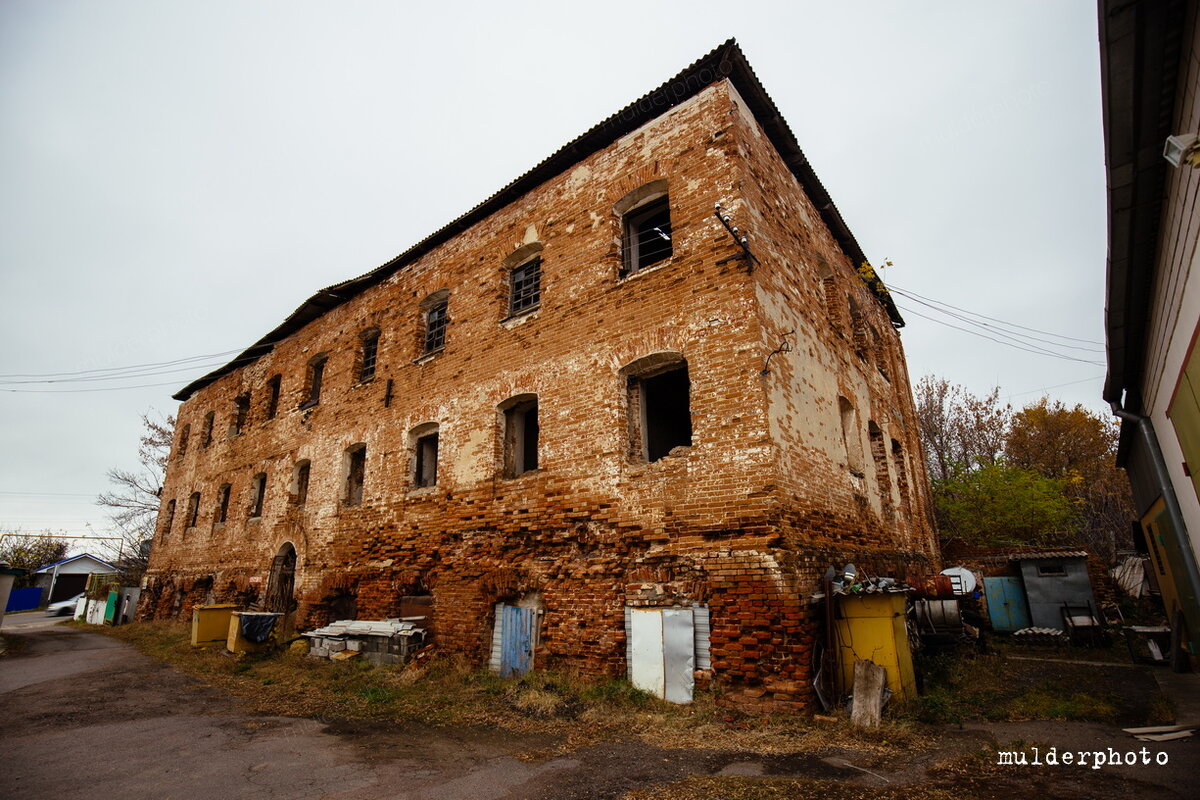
(726, 61)
(1038, 554)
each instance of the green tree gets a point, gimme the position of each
(1003, 504)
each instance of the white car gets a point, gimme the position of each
(63, 608)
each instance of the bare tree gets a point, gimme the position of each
(960, 431)
(29, 552)
(134, 499)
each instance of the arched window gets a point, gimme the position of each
(184, 436)
(850, 436)
(315, 377)
(356, 474)
(434, 320)
(659, 405)
(258, 495)
(299, 488)
(223, 503)
(524, 267)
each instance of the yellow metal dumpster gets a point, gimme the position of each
(871, 627)
(210, 624)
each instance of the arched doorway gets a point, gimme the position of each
(281, 585)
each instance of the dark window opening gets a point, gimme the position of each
(206, 434)
(663, 405)
(883, 478)
(647, 234)
(427, 460)
(356, 474)
(170, 520)
(526, 285)
(521, 438)
(241, 413)
(259, 494)
(193, 509)
(1053, 569)
(183, 441)
(370, 353)
(273, 388)
(435, 327)
(316, 373)
(300, 483)
(223, 504)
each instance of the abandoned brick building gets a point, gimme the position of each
(589, 423)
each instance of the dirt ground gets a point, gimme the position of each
(87, 716)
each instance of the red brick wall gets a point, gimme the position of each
(734, 521)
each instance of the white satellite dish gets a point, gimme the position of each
(961, 578)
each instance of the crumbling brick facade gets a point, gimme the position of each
(773, 469)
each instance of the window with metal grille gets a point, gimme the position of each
(526, 286)
(435, 326)
(647, 234)
(370, 352)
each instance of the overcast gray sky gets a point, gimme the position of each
(178, 177)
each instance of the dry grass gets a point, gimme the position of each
(449, 692)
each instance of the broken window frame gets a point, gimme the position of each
(368, 354)
(425, 443)
(314, 379)
(521, 435)
(525, 287)
(435, 327)
(356, 475)
(647, 393)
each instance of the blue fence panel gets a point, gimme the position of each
(24, 599)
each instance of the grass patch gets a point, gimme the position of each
(447, 691)
(995, 688)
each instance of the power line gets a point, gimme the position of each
(1030, 349)
(914, 295)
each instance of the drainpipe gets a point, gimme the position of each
(1171, 506)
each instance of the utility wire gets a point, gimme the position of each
(1030, 349)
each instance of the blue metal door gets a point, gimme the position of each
(1006, 603)
(516, 640)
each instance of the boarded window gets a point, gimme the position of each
(356, 471)
(850, 436)
(369, 355)
(273, 389)
(525, 284)
(258, 494)
(647, 234)
(520, 418)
